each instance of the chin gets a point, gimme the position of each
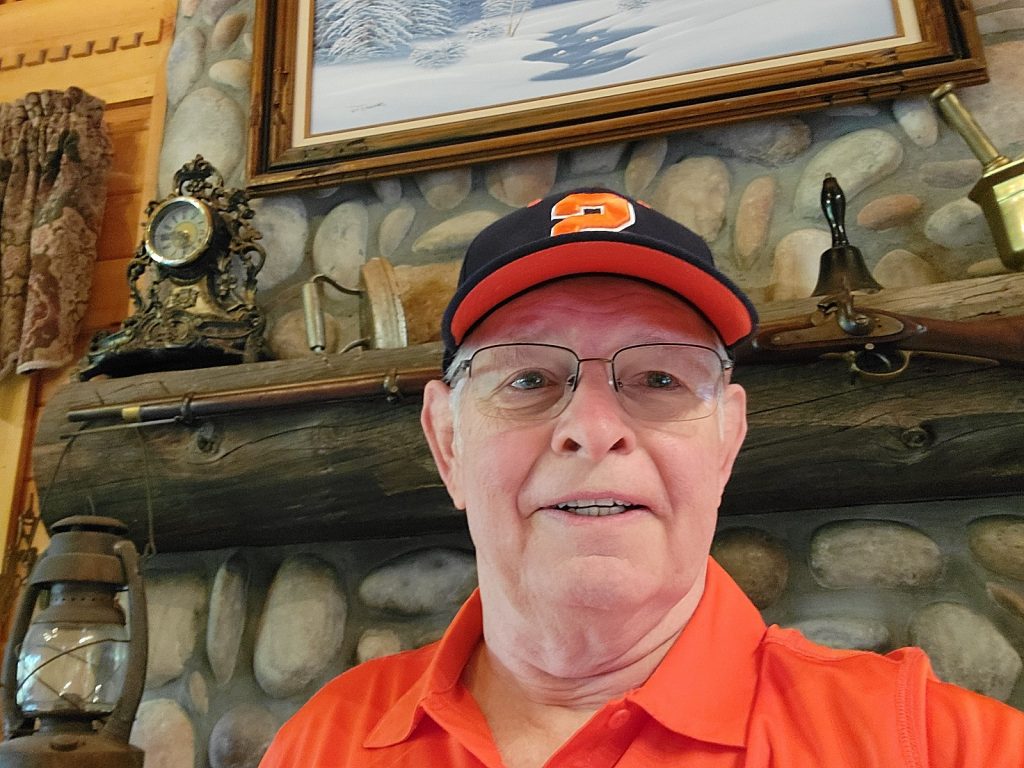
(603, 583)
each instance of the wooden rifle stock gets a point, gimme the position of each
(997, 338)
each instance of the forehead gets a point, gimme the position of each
(595, 311)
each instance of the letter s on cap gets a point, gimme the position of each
(585, 211)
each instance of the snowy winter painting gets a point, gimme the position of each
(375, 63)
(347, 90)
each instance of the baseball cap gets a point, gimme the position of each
(591, 231)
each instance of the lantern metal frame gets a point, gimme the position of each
(92, 553)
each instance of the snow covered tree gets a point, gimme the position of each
(356, 30)
(510, 10)
(465, 11)
(431, 18)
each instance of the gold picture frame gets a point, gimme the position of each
(936, 41)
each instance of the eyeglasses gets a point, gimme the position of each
(654, 382)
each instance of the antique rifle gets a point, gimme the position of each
(878, 342)
(874, 341)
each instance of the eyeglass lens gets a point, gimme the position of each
(654, 382)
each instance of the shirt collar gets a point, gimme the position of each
(442, 674)
(704, 687)
(716, 652)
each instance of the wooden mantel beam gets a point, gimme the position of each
(360, 468)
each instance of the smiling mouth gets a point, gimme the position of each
(596, 507)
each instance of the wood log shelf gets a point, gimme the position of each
(347, 459)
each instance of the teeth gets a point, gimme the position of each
(595, 507)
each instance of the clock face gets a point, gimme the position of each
(179, 231)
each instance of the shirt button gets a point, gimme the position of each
(619, 719)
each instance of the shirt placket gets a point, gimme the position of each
(603, 740)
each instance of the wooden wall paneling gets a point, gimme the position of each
(117, 51)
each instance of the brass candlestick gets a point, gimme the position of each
(1000, 191)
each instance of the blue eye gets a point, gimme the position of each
(529, 380)
(659, 380)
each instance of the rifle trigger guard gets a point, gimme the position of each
(886, 363)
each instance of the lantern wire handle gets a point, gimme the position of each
(119, 724)
(150, 549)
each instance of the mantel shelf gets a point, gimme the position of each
(342, 467)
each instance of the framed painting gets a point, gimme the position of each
(347, 90)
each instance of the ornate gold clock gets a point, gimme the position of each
(198, 260)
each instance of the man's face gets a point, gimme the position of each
(515, 479)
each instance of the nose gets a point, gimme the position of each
(593, 424)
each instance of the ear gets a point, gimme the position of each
(733, 426)
(438, 428)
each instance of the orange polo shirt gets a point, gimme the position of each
(729, 693)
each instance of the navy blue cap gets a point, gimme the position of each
(591, 231)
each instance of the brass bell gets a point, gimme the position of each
(842, 266)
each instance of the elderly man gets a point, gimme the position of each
(587, 424)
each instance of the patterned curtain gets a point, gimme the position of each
(54, 159)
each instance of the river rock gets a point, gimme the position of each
(522, 180)
(796, 263)
(966, 649)
(756, 561)
(206, 122)
(753, 219)
(860, 553)
(284, 224)
(226, 621)
(950, 174)
(889, 211)
(302, 626)
(858, 160)
(174, 605)
(1006, 597)
(916, 117)
(214, 9)
(452, 236)
(233, 73)
(845, 632)
(446, 189)
(644, 163)
(375, 643)
(184, 63)
(340, 243)
(900, 268)
(394, 228)
(423, 582)
(227, 30)
(769, 142)
(997, 105)
(388, 191)
(1001, 21)
(603, 158)
(199, 693)
(958, 224)
(997, 542)
(987, 268)
(695, 192)
(165, 733)
(187, 8)
(241, 736)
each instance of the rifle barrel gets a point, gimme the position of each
(392, 385)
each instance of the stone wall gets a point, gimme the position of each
(241, 638)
